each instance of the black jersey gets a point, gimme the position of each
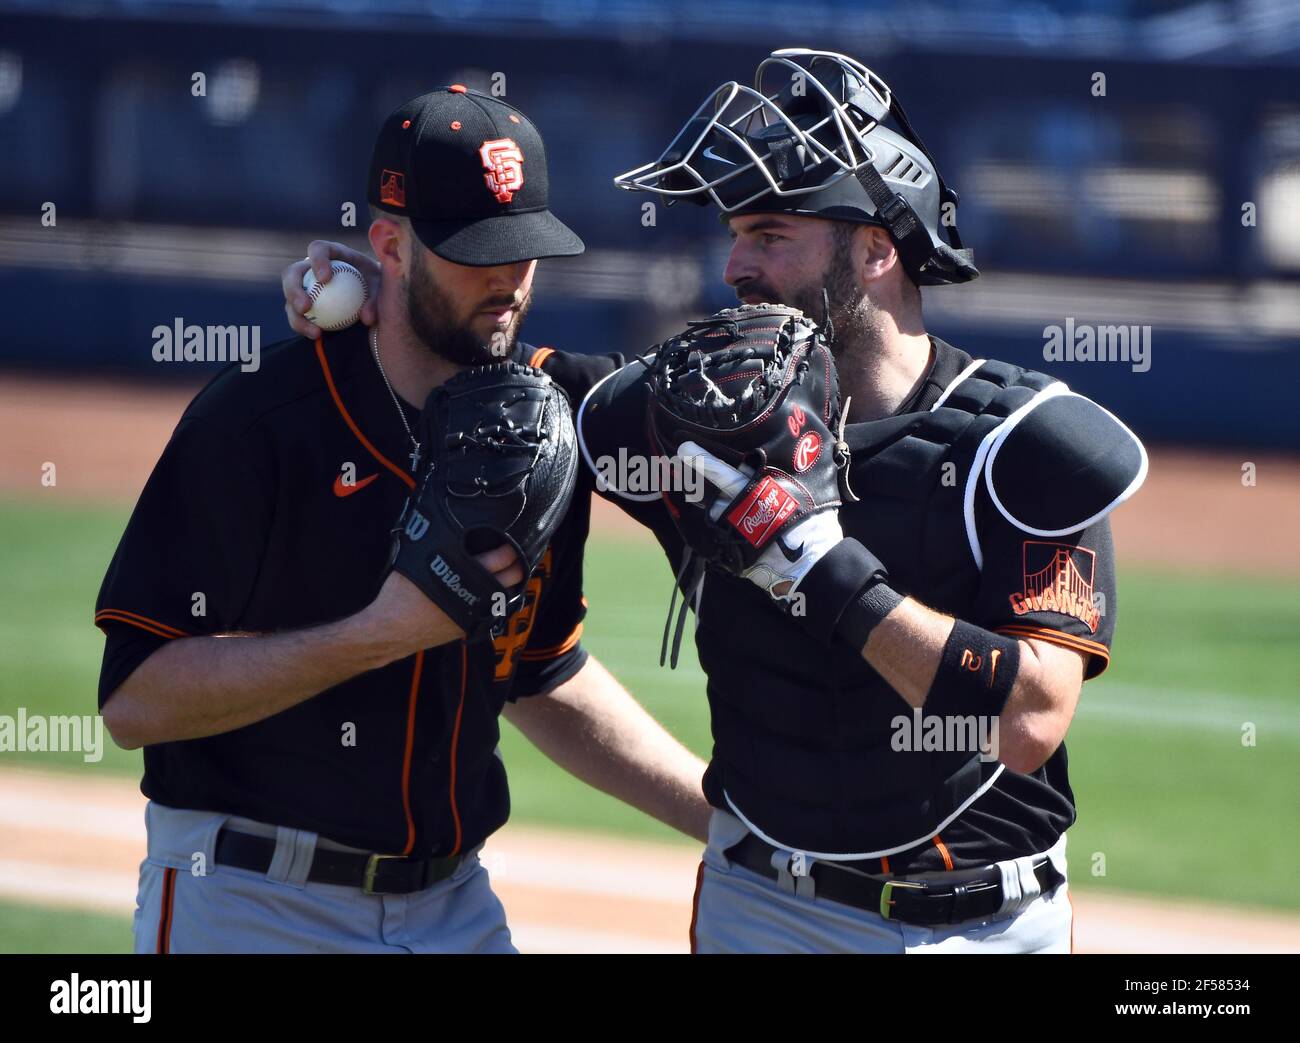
(271, 509)
(767, 739)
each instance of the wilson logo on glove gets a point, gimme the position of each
(760, 514)
(416, 525)
(443, 571)
(807, 451)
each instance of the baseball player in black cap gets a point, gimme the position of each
(889, 771)
(469, 172)
(319, 736)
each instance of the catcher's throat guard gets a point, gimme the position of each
(502, 467)
(808, 139)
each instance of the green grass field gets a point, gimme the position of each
(1167, 792)
(29, 929)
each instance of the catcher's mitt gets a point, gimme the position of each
(501, 467)
(749, 398)
(756, 387)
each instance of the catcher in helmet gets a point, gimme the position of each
(897, 626)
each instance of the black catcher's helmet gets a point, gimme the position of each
(807, 139)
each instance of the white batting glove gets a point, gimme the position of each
(793, 553)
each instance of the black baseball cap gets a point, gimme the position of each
(470, 173)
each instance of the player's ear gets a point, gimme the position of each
(387, 236)
(873, 252)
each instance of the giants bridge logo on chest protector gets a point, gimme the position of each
(504, 162)
(761, 513)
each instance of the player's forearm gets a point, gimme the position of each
(907, 649)
(1041, 705)
(596, 731)
(199, 686)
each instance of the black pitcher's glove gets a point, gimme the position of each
(501, 465)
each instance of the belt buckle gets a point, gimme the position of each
(372, 867)
(887, 891)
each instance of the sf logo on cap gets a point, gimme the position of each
(504, 164)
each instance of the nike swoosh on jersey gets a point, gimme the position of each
(341, 490)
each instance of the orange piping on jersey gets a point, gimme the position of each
(884, 864)
(536, 654)
(406, 755)
(347, 419)
(121, 615)
(540, 356)
(112, 617)
(455, 742)
(1056, 637)
(943, 850)
(695, 904)
(165, 912)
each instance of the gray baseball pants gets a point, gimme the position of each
(739, 911)
(187, 903)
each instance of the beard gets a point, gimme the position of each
(432, 315)
(852, 314)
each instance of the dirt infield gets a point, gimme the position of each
(76, 842)
(1194, 511)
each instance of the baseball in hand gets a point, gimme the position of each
(336, 304)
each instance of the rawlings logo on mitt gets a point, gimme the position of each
(502, 466)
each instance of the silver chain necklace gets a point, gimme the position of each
(374, 350)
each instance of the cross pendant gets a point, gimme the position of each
(415, 458)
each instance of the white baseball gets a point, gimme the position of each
(336, 304)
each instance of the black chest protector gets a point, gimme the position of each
(803, 732)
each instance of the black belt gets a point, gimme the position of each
(374, 874)
(926, 903)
